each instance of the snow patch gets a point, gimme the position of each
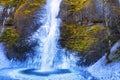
(105, 71)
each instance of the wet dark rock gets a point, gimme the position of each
(9, 22)
(97, 12)
(26, 19)
(115, 52)
(89, 16)
(22, 49)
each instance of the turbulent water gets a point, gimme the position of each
(51, 56)
(49, 34)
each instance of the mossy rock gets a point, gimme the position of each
(28, 8)
(9, 21)
(9, 36)
(80, 38)
(6, 2)
(31, 7)
(76, 5)
(27, 17)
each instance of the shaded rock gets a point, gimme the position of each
(97, 12)
(26, 18)
(9, 22)
(77, 31)
(115, 51)
(1, 11)
(92, 13)
(22, 49)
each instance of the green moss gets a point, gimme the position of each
(31, 7)
(79, 38)
(6, 2)
(34, 4)
(77, 5)
(10, 19)
(27, 12)
(9, 36)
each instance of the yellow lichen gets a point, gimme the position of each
(80, 38)
(34, 4)
(9, 36)
(6, 2)
(77, 5)
(27, 12)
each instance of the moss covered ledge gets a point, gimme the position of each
(80, 38)
(9, 36)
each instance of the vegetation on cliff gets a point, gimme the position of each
(77, 5)
(80, 38)
(9, 36)
(80, 17)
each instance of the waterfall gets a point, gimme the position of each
(49, 54)
(1, 26)
(6, 12)
(48, 35)
(51, 34)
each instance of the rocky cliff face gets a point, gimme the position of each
(75, 28)
(26, 17)
(26, 22)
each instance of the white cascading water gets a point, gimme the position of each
(50, 38)
(49, 55)
(2, 28)
(48, 35)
